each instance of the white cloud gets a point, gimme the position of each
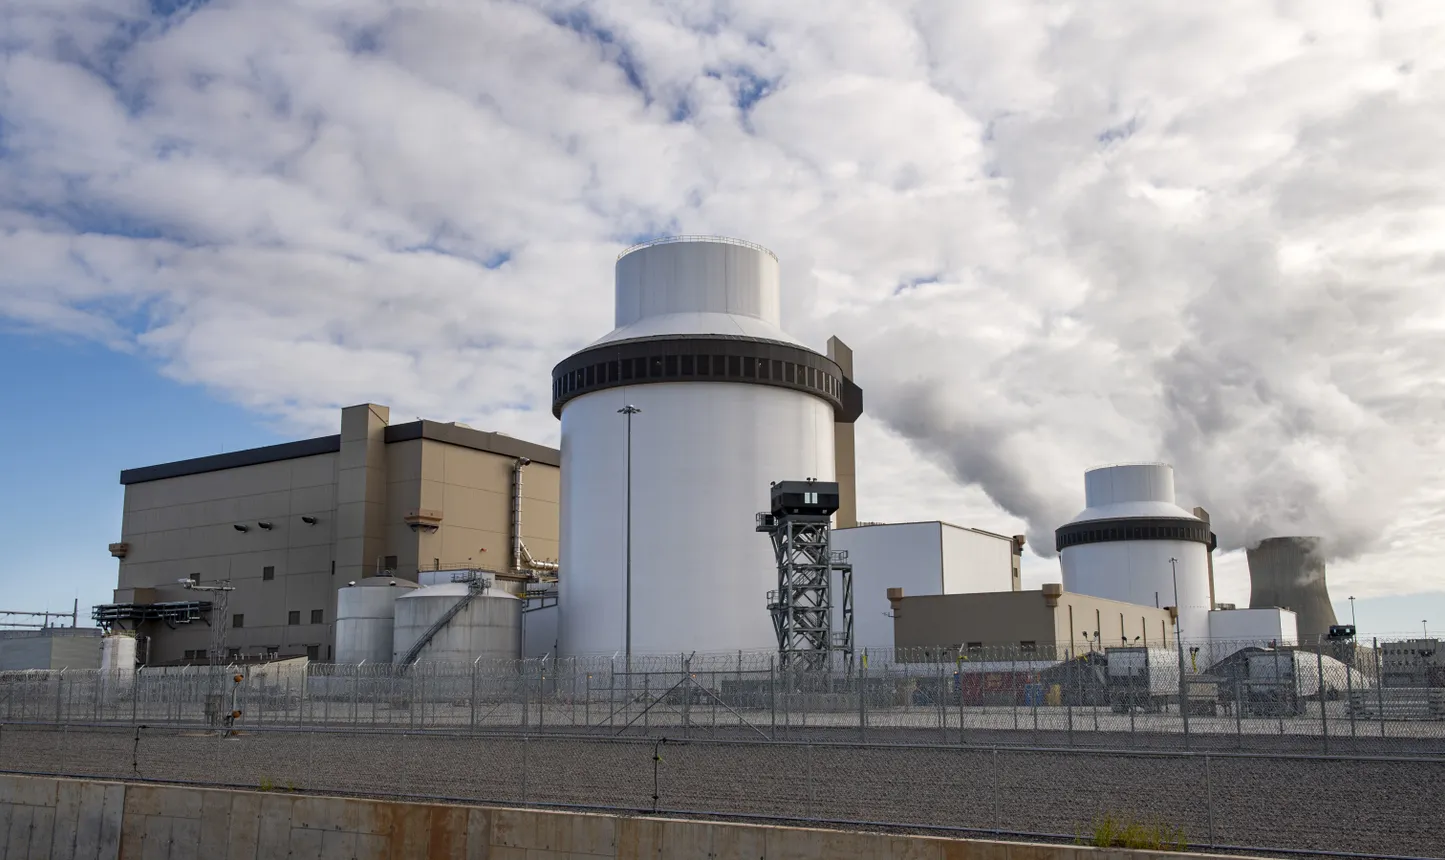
(1055, 236)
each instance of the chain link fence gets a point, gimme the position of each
(1335, 698)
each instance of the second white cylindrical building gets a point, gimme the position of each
(727, 404)
(1119, 546)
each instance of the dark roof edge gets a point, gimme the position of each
(477, 440)
(233, 460)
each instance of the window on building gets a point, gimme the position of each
(233, 654)
(268, 572)
(689, 365)
(272, 651)
(293, 617)
(313, 652)
(389, 562)
(316, 616)
(333, 567)
(238, 620)
(195, 577)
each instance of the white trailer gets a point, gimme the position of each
(1145, 678)
(1281, 681)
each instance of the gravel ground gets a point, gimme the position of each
(1309, 802)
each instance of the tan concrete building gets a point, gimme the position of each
(1049, 622)
(287, 525)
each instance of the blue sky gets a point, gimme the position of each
(81, 413)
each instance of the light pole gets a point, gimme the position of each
(629, 410)
(1179, 641)
(218, 627)
(1352, 614)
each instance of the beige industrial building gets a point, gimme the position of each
(1050, 622)
(287, 525)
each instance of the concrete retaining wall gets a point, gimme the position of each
(43, 818)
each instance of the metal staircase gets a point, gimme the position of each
(475, 587)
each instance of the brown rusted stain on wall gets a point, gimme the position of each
(448, 838)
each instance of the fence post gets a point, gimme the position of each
(773, 695)
(1323, 696)
(1239, 712)
(686, 697)
(863, 698)
(522, 673)
(1350, 687)
(525, 766)
(1380, 686)
(942, 703)
(958, 666)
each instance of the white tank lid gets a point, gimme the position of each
(698, 274)
(1129, 490)
(381, 581)
(455, 589)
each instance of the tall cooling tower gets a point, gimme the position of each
(1289, 572)
(1120, 545)
(728, 403)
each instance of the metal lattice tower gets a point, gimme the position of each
(802, 606)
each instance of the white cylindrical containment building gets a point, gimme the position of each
(723, 403)
(365, 615)
(1119, 547)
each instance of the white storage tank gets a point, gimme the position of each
(117, 654)
(365, 612)
(727, 403)
(1120, 545)
(488, 627)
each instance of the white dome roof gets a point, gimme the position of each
(454, 589)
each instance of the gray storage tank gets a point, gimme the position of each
(489, 626)
(365, 612)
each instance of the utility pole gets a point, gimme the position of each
(629, 410)
(1179, 641)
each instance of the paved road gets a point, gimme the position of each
(1316, 803)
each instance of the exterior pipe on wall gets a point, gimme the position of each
(522, 560)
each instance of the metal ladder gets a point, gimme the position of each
(474, 588)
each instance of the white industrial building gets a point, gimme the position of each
(722, 402)
(1232, 629)
(924, 558)
(1133, 544)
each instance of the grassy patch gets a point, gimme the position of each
(1112, 831)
